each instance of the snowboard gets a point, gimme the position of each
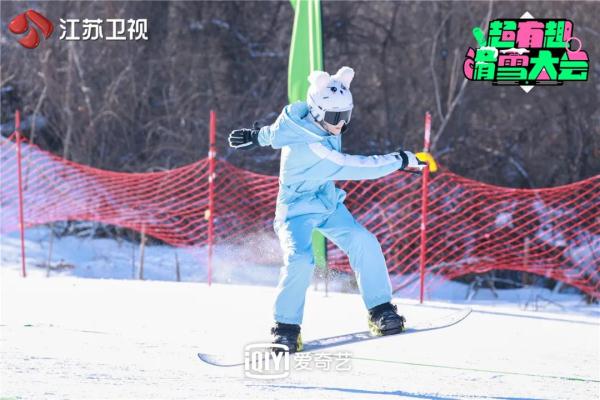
(446, 321)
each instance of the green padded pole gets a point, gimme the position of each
(306, 55)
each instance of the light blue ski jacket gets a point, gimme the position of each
(311, 159)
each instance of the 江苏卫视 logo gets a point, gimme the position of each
(75, 29)
(527, 52)
(20, 24)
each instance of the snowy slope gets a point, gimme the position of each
(72, 338)
(89, 338)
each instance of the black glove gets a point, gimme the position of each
(244, 138)
(410, 162)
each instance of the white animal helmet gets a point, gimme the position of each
(329, 98)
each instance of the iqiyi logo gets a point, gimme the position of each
(527, 52)
(261, 361)
(20, 24)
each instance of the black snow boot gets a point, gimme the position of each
(384, 320)
(287, 334)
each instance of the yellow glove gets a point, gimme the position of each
(427, 158)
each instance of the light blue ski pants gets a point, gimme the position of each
(360, 245)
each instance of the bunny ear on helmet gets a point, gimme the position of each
(344, 75)
(328, 98)
(319, 80)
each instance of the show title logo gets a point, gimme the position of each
(527, 52)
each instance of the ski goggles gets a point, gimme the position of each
(334, 117)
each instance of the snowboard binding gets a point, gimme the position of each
(384, 320)
(287, 334)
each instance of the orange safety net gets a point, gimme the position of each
(471, 227)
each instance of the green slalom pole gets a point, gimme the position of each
(306, 55)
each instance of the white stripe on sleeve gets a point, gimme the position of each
(348, 160)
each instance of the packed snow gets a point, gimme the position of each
(89, 331)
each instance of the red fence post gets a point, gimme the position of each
(20, 183)
(212, 154)
(425, 182)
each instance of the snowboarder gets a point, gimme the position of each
(309, 136)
